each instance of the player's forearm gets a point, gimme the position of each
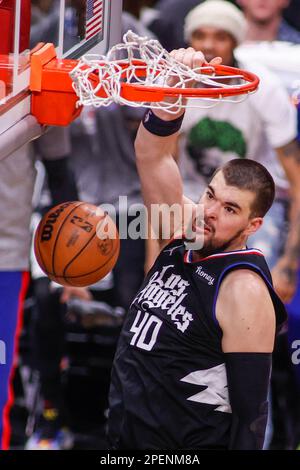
(158, 171)
(289, 156)
(157, 135)
(159, 174)
(248, 376)
(167, 116)
(151, 147)
(292, 246)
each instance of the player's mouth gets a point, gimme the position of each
(200, 227)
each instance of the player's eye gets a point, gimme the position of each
(209, 195)
(229, 210)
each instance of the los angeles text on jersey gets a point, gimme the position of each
(150, 459)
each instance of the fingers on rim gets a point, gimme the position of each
(216, 61)
(188, 57)
(179, 55)
(198, 59)
(192, 58)
(177, 52)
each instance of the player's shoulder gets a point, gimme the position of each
(242, 283)
(245, 311)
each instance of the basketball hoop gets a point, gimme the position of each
(141, 78)
(137, 73)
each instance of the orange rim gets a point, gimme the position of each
(135, 91)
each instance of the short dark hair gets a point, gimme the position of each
(251, 176)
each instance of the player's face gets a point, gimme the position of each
(263, 11)
(214, 42)
(227, 216)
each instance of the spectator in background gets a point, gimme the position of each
(135, 7)
(135, 25)
(103, 162)
(52, 431)
(265, 21)
(216, 27)
(291, 14)
(44, 21)
(251, 129)
(108, 134)
(168, 26)
(17, 177)
(104, 167)
(137, 15)
(16, 189)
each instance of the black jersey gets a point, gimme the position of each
(169, 386)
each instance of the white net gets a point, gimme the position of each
(143, 62)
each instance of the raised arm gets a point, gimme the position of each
(246, 316)
(155, 142)
(159, 174)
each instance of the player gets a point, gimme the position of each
(194, 358)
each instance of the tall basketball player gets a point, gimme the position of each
(194, 358)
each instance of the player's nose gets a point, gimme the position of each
(211, 213)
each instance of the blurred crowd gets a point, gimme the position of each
(61, 377)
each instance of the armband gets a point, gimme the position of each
(160, 127)
(248, 376)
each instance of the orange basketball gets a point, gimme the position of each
(76, 244)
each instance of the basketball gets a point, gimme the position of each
(76, 244)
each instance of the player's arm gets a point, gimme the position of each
(155, 144)
(246, 316)
(285, 272)
(159, 174)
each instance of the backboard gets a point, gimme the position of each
(75, 27)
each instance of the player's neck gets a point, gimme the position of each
(263, 31)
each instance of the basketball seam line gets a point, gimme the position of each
(84, 247)
(58, 232)
(79, 253)
(95, 270)
(63, 276)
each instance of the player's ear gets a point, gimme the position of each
(254, 224)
